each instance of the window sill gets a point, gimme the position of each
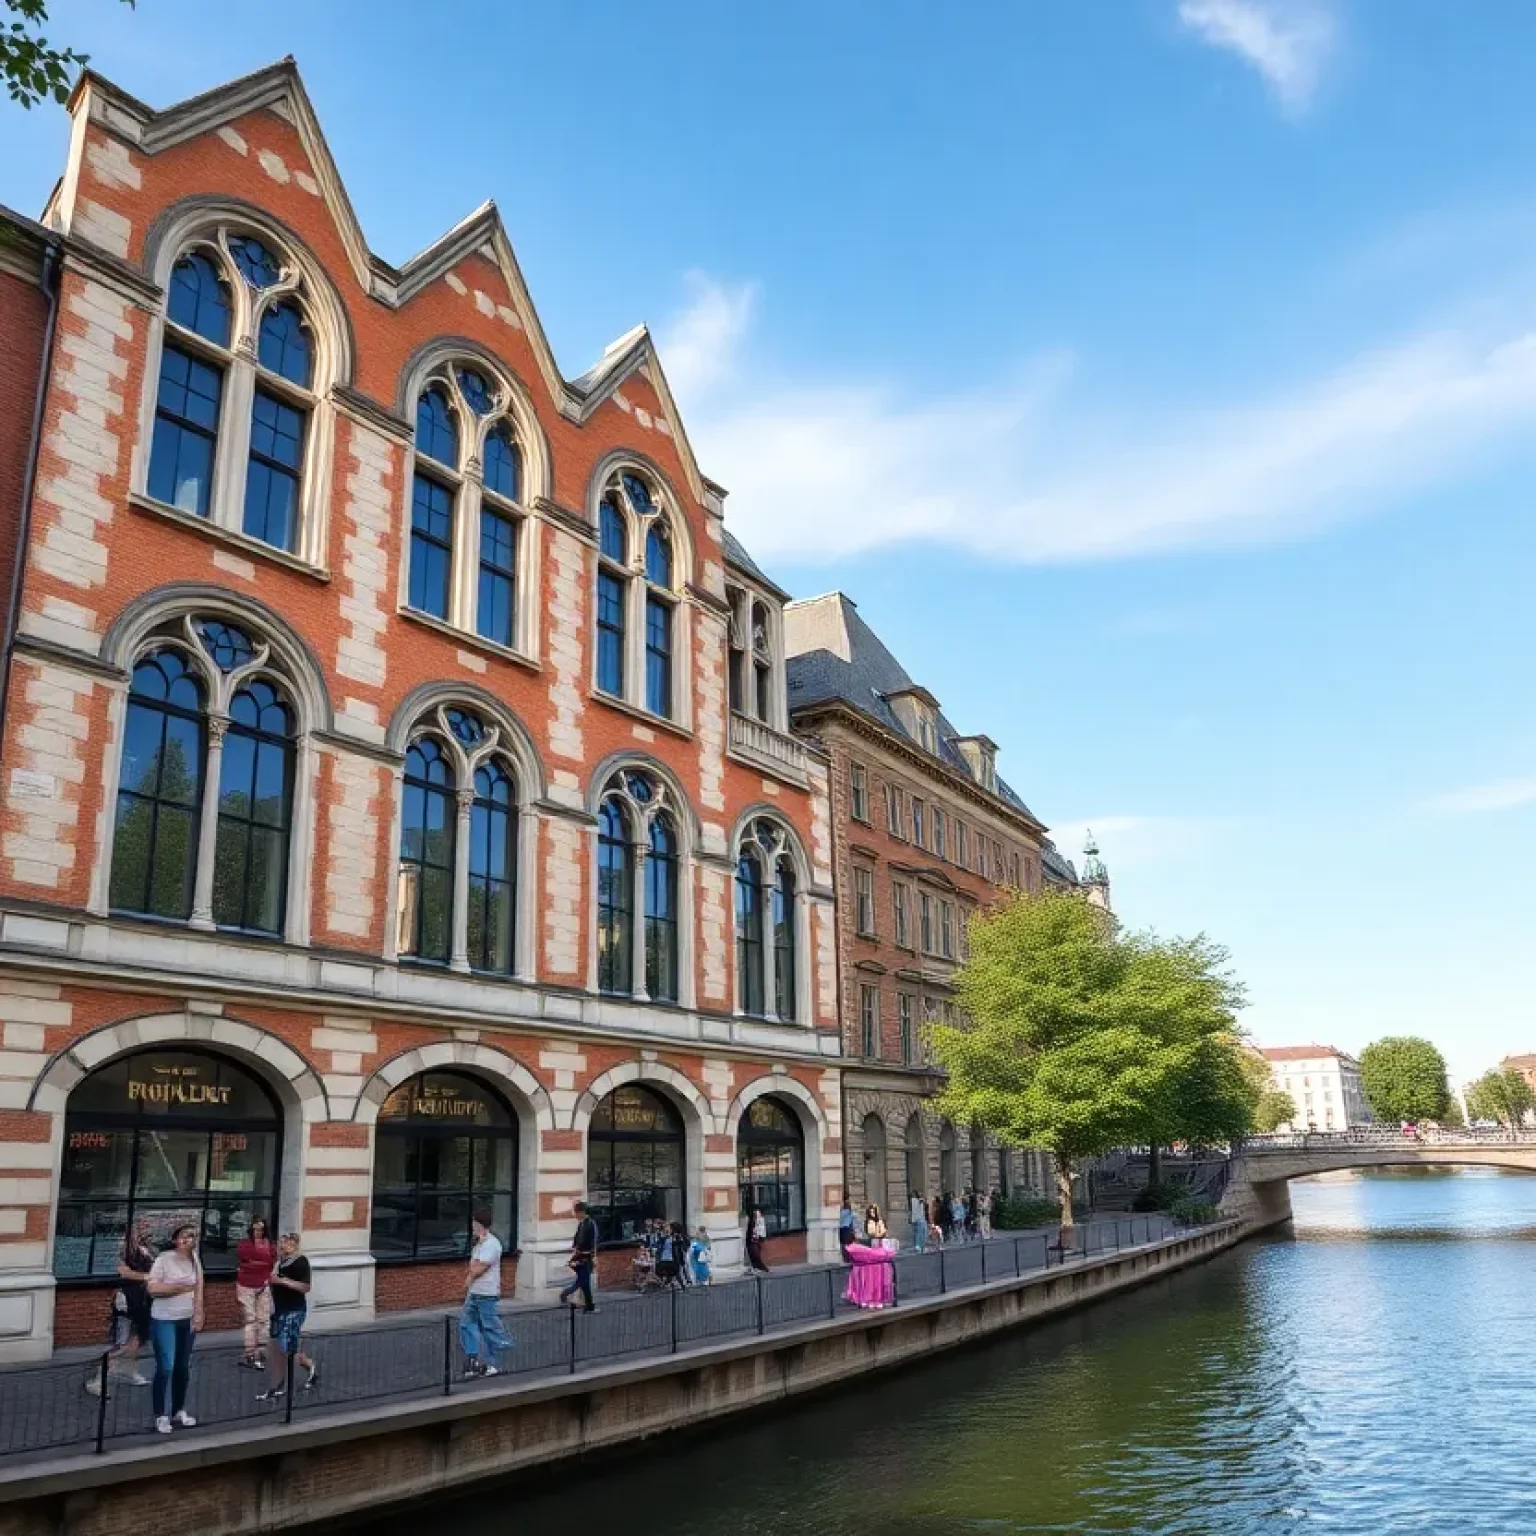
(639, 712)
(467, 637)
(227, 536)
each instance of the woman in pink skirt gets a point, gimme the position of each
(870, 1274)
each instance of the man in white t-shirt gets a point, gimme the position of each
(480, 1329)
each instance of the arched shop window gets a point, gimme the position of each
(634, 1163)
(446, 1147)
(770, 1164)
(169, 1137)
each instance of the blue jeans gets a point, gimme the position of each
(479, 1321)
(582, 1283)
(920, 1235)
(172, 1343)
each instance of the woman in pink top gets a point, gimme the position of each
(255, 1254)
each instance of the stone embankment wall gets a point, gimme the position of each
(239, 1485)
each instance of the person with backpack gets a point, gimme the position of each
(582, 1260)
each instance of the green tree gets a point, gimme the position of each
(1078, 1039)
(32, 68)
(1275, 1108)
(1504, 1096)
(1404, 1079)
(1453, 1116)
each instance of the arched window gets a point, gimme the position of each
(661, 910)
(427, 825)
(492, 868)
(446, 1148)
(917, 1155)
(236, 310)
(160, 789)
(250, 878)
(166, 1137)
(636, 602)
(635, 1162)
(467, 493)
(612, 582)
(749, 930)
(767, 923)
(459, 846)
(208, 762)
(640, 921)
(615, 899)
(770, 1164)
(877, 1172)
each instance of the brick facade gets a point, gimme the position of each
(324, 1010)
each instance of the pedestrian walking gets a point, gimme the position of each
(290, 1306)
(972, 1216)
(175, 1286)
(956, 1218)
(917, 1215)
(757, 1231)
(700, 1256)
(255, 1256)
(583, 1257)
(984, 1214)
(668, 1257)
(128, 1324)
(480, 1331)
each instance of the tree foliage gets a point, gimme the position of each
(32, 68)
(1404, 1079)
(1275, 1108)
(1504, 1096)
(1079, 1038)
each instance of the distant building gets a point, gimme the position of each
(1324, 1083)
(1524, 1065)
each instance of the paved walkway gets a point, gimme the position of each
(46, 1407)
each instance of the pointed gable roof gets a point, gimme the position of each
(279, 88)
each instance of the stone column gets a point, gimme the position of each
(208, 826)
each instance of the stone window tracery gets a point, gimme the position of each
(639, 889)
(767, 923)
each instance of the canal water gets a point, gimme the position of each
(1374, 1371)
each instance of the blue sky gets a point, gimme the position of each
(1159, 377)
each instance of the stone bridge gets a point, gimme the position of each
(1262, 1168)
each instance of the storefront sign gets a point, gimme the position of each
(432, 1101)
(177, 1085)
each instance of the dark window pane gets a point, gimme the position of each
(658, 656)
(431, 546)
(615, 881)
(503, 463)
(437, 436)
(493, 612)
(284, 345)
(610, 633)
(658, 556)
(258, 266)
(612, 538)
(199, 298)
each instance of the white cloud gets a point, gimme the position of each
(1287, 41)
(699, 349)
(823, 469)
(1475, 799)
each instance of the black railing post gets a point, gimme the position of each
(572, 1311)
(1018, 1263)
(101, 1402)
(943, 1273)
(447, 1353)
(895, 1299)
(984, 1263)
(292, 1361)
(759, 1279)
(831, 1294)
(673, 1294)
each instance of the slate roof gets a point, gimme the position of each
(864, 681)
(1056, 863)
(737, 555)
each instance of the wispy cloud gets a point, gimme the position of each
(1287, 41)
(1476, 799)
(1135, 842)
(701, 345)
(1024, 470)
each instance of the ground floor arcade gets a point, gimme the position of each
(377, 1139)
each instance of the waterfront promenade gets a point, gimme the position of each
(45, 1410)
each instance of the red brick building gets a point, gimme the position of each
(925, 833)
(385, 829)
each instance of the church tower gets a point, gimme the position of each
(1095, 875)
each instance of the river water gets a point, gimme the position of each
(1371, 1372)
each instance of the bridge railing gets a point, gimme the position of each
(1390, 1136)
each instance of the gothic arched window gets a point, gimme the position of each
(767, 923)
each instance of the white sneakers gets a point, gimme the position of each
(163, 1424)
(183, 1419)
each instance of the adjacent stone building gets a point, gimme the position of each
(398, 809)
(925, 832)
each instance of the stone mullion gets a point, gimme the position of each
(460, 955)
(208, 825)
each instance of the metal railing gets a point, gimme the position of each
(52, 1406)
(1389, 1136)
